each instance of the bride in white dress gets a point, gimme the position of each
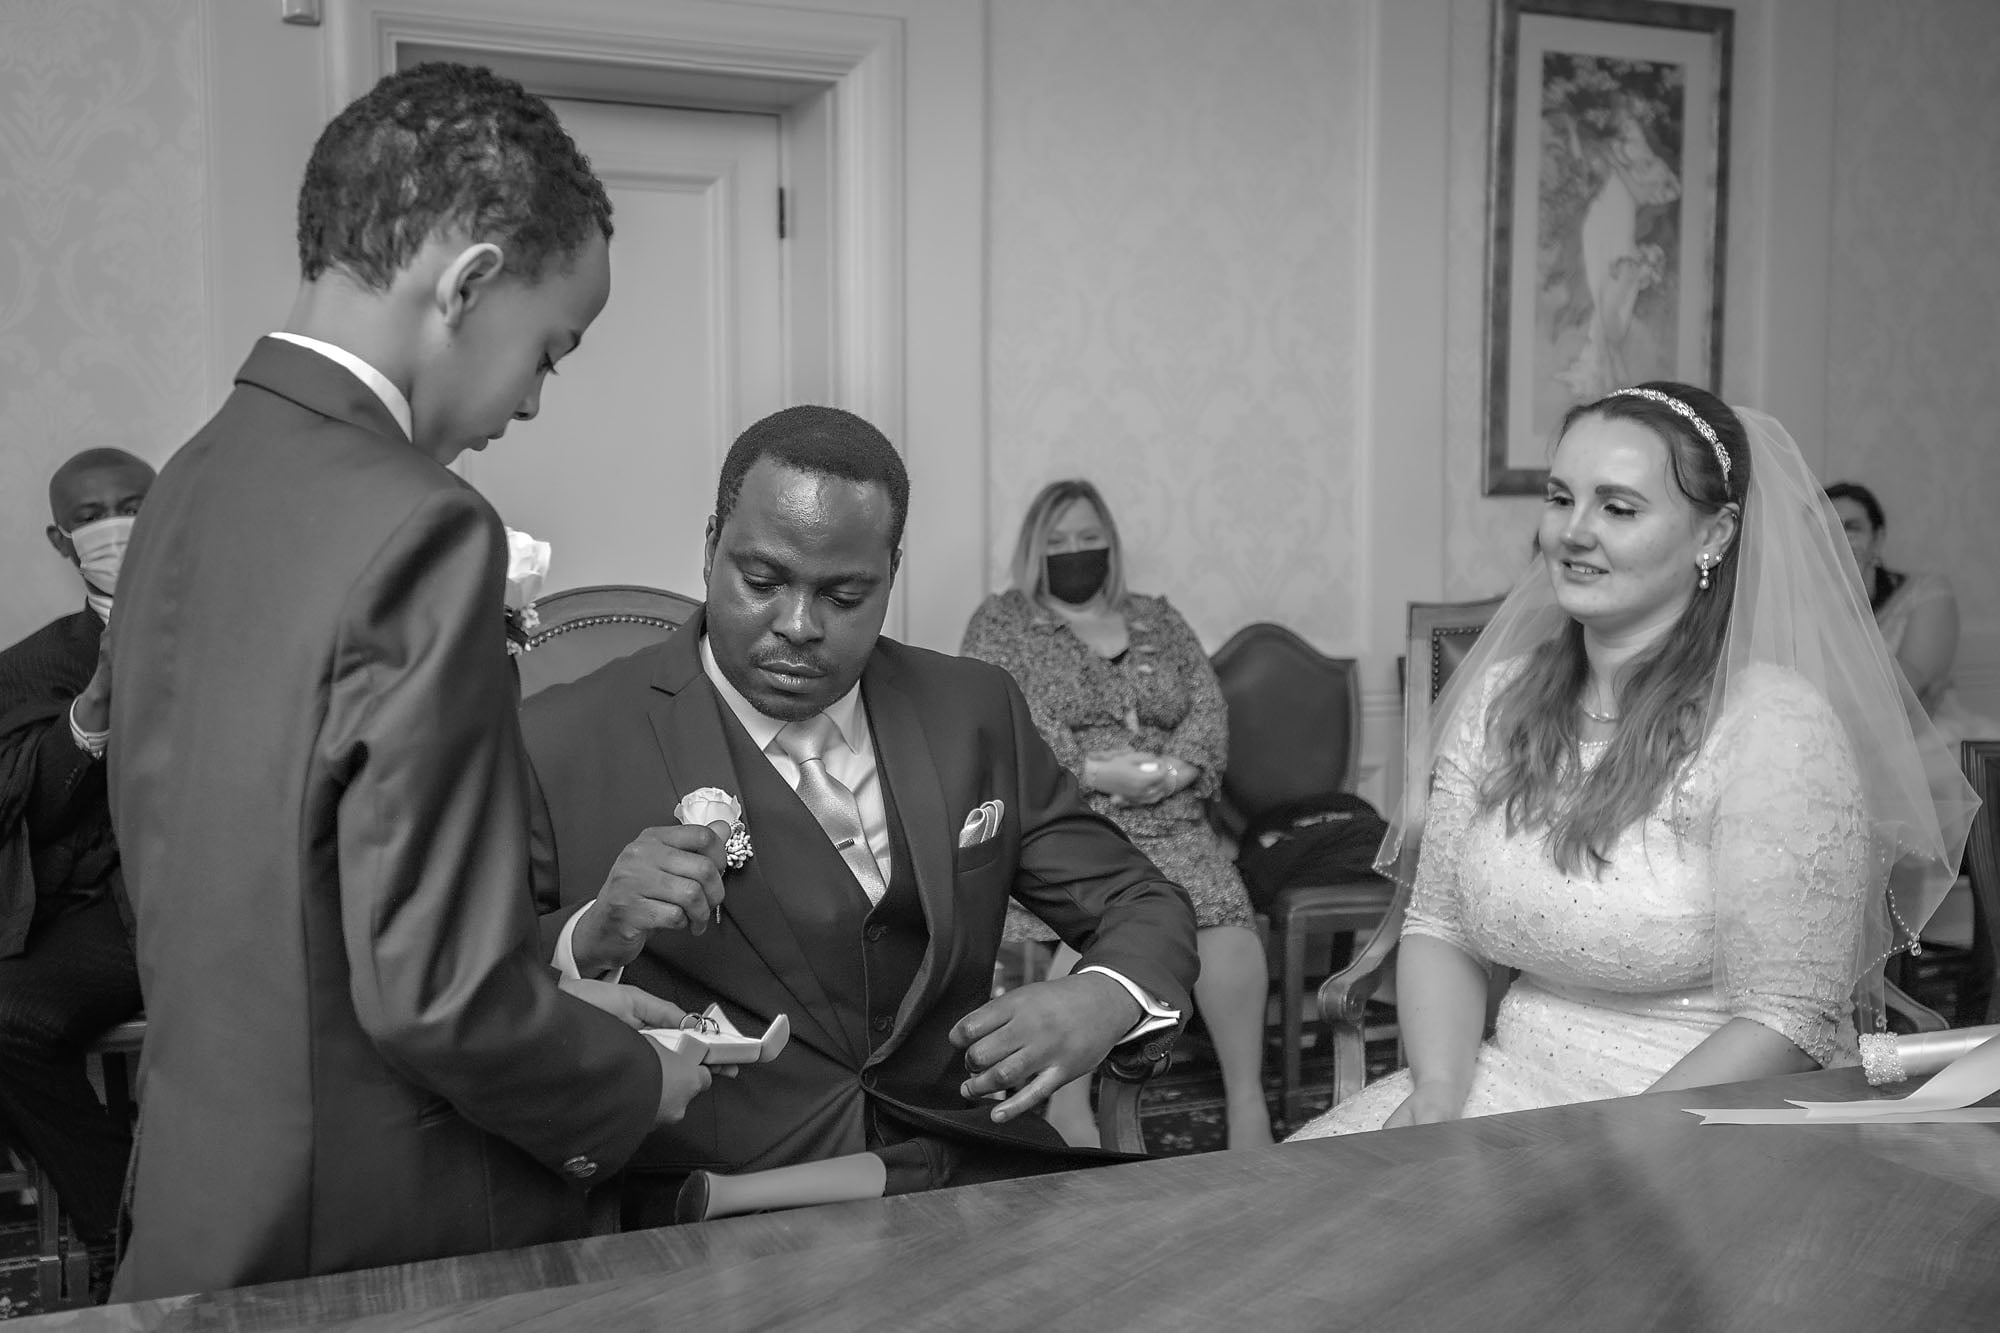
(1673, 785)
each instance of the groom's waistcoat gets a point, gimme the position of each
(865, 958)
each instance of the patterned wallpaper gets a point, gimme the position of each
(1913, 374)
(1175, 225)
(102, 325)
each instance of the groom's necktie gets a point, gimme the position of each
(831, 803)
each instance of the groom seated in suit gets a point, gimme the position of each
(870, 908)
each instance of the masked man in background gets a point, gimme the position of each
(66, 967)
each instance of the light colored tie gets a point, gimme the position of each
(831, 803)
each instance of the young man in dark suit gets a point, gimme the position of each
(357, 1053)
(893, 800)
(66, 969)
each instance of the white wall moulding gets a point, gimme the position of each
(1399, 514)
(1380, 775)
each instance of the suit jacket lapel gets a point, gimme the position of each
(688, 721)
(904, 755)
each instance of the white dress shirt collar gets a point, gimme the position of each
(845, 712)
(391, 396)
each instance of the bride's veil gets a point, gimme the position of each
(1798, 606)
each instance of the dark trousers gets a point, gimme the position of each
(76, 979)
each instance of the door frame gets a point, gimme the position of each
(885, 99)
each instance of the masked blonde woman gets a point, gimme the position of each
(1121, 689)
(1678, 785)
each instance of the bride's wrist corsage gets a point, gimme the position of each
(712, 805)
(527, 567)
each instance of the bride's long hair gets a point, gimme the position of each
(1662, 697)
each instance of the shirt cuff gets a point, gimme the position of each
(1154, 1016)
(91, 743)
(565, 959)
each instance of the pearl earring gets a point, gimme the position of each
(1703, 561)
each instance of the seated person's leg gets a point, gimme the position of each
(75, 980)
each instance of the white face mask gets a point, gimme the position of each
(100, 550)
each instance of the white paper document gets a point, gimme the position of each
(1970, 1078)
(1946, 1098)
(1968, 1115)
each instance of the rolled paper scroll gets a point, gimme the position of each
(710, 1194)
(895, 1168)
(1889, 1058)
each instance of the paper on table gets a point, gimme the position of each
(1967, 1115)
(1947, 1098)
(1970, 1078)
(721, 1043)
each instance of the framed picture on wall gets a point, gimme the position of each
(1606, 212)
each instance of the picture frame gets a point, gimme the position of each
(1606, 212)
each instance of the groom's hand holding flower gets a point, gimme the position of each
(667, 878)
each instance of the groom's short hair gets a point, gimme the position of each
(824, 442)
(439, 149)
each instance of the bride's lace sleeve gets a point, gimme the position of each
(1436, 899)
(1790, 864)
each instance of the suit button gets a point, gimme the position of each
(881, 1023)
(581, 1167)
(874, 933)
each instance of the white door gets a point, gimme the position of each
(618, 472)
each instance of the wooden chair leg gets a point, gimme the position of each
(48, 1239)
(76, 1274)
(1291, 1099)
(1118, 1114)
(117, 1084)
(1350, 1061)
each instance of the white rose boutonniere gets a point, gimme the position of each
(527, 568)
(712, 805)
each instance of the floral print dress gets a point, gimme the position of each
(1159, 695)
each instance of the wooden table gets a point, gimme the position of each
(1610, 1215)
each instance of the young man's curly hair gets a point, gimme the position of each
(451, 149)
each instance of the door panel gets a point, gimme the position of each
(618, 471)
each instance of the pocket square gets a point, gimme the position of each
(981, 824)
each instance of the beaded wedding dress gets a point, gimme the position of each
(1741, 895)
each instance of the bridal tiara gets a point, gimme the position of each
(1680, 408)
